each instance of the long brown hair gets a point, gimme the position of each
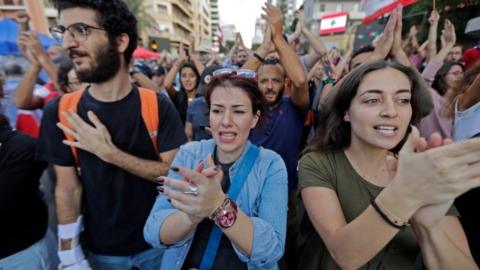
(333, 132)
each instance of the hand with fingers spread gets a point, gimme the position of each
(275, 19)
(429, 215)
(434, 18)
(439, 174)
(94, 139)
(448, 37)
(385, 41)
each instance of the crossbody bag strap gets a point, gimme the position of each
(239, 179)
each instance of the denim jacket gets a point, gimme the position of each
(263, 198)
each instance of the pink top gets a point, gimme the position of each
(435, 121)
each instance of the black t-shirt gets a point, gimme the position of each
(116, 203)
(22, 212)
(181, 103)
(226, 257)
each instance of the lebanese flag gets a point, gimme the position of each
(376, 8)
(333, 23)
(219, 35)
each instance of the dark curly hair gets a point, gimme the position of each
(333, 132)
(113, 15)
(248, 85)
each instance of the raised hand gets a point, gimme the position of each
(267, 45)
(182, 55)
(438, 174)
(200, 194)
(434, 18)
(274, 17)
(23, 19)
(448, 37)
(386, 39)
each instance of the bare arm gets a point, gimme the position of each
(198, 65)
(170, 78)
(147, 169)
(24, 98)
(97, 140)
(189, 130)
(445, 246)
(448, 39)
(68, 194)
(263, 50)
(348, 247)
(432, 35)
(288, 58)
(316, 44)
(145, 82)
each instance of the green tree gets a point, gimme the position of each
(457, 11)
(138, 8)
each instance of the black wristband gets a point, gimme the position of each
(261, 59)
(386, 218)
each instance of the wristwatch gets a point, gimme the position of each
(225, 215)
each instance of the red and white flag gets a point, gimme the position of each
(333, 23)
(220, 38)
(376, 8)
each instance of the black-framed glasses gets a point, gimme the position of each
(78, 31)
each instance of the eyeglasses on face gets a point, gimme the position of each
(455, 73)
(78, 31)
(245, 73)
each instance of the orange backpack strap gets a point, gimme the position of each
(67, 102)
(149, 107)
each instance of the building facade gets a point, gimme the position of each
(42, 14)
(215, 24)
(316, 9)
(178, 21)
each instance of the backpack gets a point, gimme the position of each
(149, 110)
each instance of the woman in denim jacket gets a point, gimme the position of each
(193, 199)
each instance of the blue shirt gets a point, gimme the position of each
(467, 123)
(197, 114)
(281, 131)
(263, 198)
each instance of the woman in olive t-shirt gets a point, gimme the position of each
(360, 198)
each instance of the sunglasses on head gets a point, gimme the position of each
(245, 73)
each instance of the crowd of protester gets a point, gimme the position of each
(290, 156)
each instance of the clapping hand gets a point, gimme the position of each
(199, 194)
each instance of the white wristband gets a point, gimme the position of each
(71, 256)
(83, 265)
(71, 230)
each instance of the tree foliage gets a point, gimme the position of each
(138, 8)
(457, 11)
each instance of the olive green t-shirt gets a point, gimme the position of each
(334, 171)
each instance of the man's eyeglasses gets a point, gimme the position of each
(245, 73)
(78, 31)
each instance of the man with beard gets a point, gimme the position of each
(281, 130)
(114, 193)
